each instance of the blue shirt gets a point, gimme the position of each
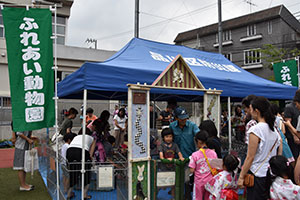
(184, 138)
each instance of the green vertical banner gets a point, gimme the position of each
(286, 72)
(30, 60)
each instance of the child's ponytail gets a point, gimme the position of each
(231, 163)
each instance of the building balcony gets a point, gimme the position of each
(251, 38)
(225, 43)
(254, 66)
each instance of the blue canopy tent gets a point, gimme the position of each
(143, 61)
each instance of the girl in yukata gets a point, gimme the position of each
(224, 184)
(279, 180)
(199, 166)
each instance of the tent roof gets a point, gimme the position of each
(143, 61)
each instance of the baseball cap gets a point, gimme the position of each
(181, 113)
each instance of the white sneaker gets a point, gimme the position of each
(26, 189)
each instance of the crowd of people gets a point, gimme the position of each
(99, 146)
(269, 171)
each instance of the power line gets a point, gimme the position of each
(167, 20)
(163, 21)
(170, 19)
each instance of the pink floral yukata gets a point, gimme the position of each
(284, 189)
(202, 172)
(219, 183)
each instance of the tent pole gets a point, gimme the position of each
(229, 124)
(55, 100)
(83, 142)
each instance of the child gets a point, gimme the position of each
(199, 166)
(90, 116)
(68, 139)
(124, 147)
(108, 146)
(224, 181)
(168, 149)
(279, 180)
(67, 124)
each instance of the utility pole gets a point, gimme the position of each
(220, 25)
(136, 19)
(250, 4)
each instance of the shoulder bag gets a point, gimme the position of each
(213, 171)
(249, 178)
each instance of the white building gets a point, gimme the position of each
(69, 58)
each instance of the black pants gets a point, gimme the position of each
(74, 157)
(259, 191)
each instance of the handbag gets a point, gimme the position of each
(229, 194)
(213, 171)
(249, 178)
(31, 162)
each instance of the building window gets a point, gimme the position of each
(269, 27)
(1, 25)
(61, 29)
(226, 36)
(65, 74)
(228, 56)
(252, 57)
(251, 30)
(5, 102)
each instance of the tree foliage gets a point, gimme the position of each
(271, 54)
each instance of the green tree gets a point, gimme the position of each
(270, 54)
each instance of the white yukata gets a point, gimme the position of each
(221, 181)
(284, 189)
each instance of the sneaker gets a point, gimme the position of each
(26, 189)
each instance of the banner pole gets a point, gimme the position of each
(55, 99)
(298, 64)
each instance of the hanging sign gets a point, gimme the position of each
(30, 62)
(286, 72)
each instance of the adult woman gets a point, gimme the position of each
(23, 140)
(74, 157)
(264, 142)
(104, 116)
(120, 122)
(213, 141)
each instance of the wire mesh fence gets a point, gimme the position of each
(107, 180)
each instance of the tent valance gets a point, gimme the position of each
(142, 61)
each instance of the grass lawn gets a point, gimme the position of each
(10, 186)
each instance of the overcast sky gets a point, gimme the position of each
(111, 22)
